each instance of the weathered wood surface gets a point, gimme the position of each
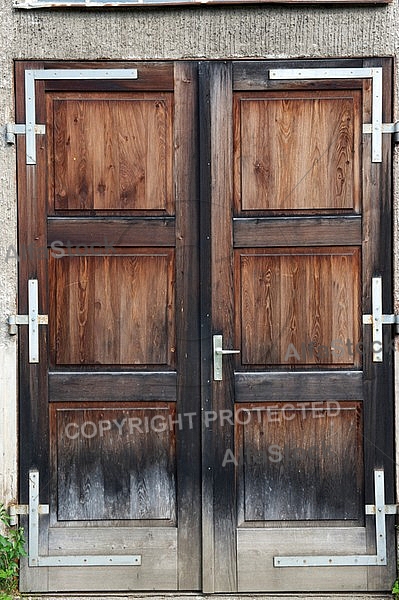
(114, 462)
(315, 133)
(300, 462)
(113, 154)
(257, 548)
(266, 232)
(113, 309)
(290, 298)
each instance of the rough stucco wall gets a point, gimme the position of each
(210, 32)
(190, 32)
(8, 483)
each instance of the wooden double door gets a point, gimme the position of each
(171, 212)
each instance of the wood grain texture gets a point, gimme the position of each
(207, 439)
(113, 309)
(317, 135)
(377, 260)
(222, 302)
(113, 386)
(112, 154)
(300, 462)
(152, 75)
(100, 233)
(187, 324)
(115, 462)
(305, 386)
(156, 545)
(254, 75)
(257, 548)
(297, 231)
(33, 414)
(294, 306)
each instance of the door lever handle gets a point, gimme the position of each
(218, 353)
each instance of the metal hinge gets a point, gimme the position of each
(377, 319)
(32, 319)
(392, 128)
(34, 509)
(379, 509)
(13, 129)
(23, 509)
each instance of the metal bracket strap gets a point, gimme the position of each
(33, 320)
(32, 75)
(392, 128)
(377, 319)
(12, 130)
(379, 509)
(35, 560)
(374, 73)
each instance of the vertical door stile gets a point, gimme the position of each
(377, 261)
(221, 101)
(207, 439)
(187, 330)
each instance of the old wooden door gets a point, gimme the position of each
(108, 215)
(166, 215)
(298, 225)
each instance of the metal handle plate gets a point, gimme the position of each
(218, 353)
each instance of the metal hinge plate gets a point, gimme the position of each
(33, 320)
(34, 509)
(379, 509)
(377, 319)
(30, 129)
(392, 128)
(23, 509)
(373, 73)
(13, 129)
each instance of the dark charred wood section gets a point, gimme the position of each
(115, 462)
(305, 386)
(112, 387)
(300, 462)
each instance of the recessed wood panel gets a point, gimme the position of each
(300, 461)
(115, 463)
(297, 153)
(299, 306)
(113, 154)
(115, 309)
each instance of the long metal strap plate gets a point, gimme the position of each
(379, 559)
(35, 560)
(32, 75)
(374, 73)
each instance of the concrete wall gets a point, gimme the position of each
(189, 32)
